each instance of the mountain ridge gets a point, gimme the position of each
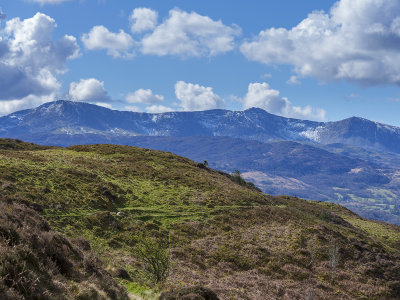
(77, 117)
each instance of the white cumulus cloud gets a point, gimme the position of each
(10, 106)
(357, 41)
(104, 104)
(190, 35)
(116, 44)
(144, 96)
(132, 108)
(158, 109)
(195, 97)
(263, 96)
(90, 90)
(143, 19)
(30, 60)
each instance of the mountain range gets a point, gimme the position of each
(66, 117)
(354, 162)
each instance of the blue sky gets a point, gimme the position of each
(322, 60)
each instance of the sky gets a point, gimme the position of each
(318, 60)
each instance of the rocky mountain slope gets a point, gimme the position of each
(216, 230)
(66, 117)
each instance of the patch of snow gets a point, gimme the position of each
(159, 116)
(119, 131)
(356, 170)
(388, 127)
(19, 118)
(298, 124)
(85, 130)
(312, 134)
(209, 123)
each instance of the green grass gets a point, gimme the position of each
(385, 233)
(141, 291)
(218, 230)
(81, 192)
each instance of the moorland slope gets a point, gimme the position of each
(216, 230)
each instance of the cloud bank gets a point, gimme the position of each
(263, 96)
(189, 35)
(88, 90)
(158, 109)
(144, 96)
(357, 41)
(116, 44)
(182, 34)
(30, 61)
(196, 97)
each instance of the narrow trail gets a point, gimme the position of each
(135, 297)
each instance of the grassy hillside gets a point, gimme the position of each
(215, 233)
(364, 181)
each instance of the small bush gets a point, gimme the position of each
(237, 177)
(154, 254)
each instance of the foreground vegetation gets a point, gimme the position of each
(160, 222)
(38, 263)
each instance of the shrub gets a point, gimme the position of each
(154, 254)
(237, 177)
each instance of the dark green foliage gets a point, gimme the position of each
(237, 177)
(326, 216)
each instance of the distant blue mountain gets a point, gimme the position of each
(354, 162)
(71, 118)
